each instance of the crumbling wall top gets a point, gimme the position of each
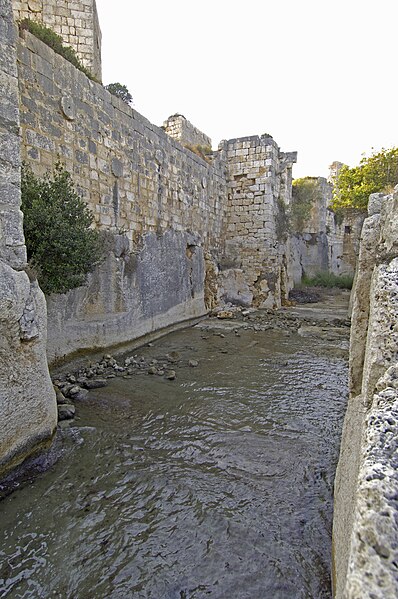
(179, 128)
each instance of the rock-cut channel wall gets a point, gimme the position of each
(365, 529)
(28, 414)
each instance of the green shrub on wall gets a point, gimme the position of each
(54, 41)
(62, 248)
(204, 152)
(120, 91)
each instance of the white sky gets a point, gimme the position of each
(319, 76)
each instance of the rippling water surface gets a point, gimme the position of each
(217, 484)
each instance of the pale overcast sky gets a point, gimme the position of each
(319, 76)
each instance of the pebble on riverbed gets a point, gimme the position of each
(66, 411)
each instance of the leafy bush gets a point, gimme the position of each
(54, 41)
(376, 173)
(328, 279)
(305, 192)
(61, 246)
(120, 91)
(204, 152)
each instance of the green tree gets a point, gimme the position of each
(120, 91)
(61, 246)
(376, 173)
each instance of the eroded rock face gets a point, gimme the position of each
(372, 570)
(28, 414)
(361, 299)
(134, 291)
(365, 524)
(233, 288)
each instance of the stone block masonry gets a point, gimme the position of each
(27, 400)
(167, 203)
(259, 189)
(133, 176)
(179, 128)
(75, 21)
(142, 183)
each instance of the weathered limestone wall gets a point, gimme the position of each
(366, 509)
(310, 246)
(131, 294)
(259, 182)
(325, 243)
(343, 242)
(133, 176)
(179, 128)
(27, 401)
(75, 21)
(166, 204)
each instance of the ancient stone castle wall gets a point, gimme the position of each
(27, 400)
(179, 128)
(133, 176)
(75, 21)
(164, 205)
(365, 514)
(259, 181)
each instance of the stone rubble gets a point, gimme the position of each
(73, 387)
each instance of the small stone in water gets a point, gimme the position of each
(66, 411)
(193, 363)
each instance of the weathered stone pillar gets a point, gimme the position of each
(28, 413)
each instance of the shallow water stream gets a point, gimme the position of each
(217, 484)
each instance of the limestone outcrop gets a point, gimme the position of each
(27, 400)
(366, 507)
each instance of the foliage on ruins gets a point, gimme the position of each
(305, 192)
(62, 248)
(120, 91)
(204, 152)
(328, 279)
(54, 41)
(376, 173)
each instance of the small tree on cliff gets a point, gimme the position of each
(378, 172)
(61, 246)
